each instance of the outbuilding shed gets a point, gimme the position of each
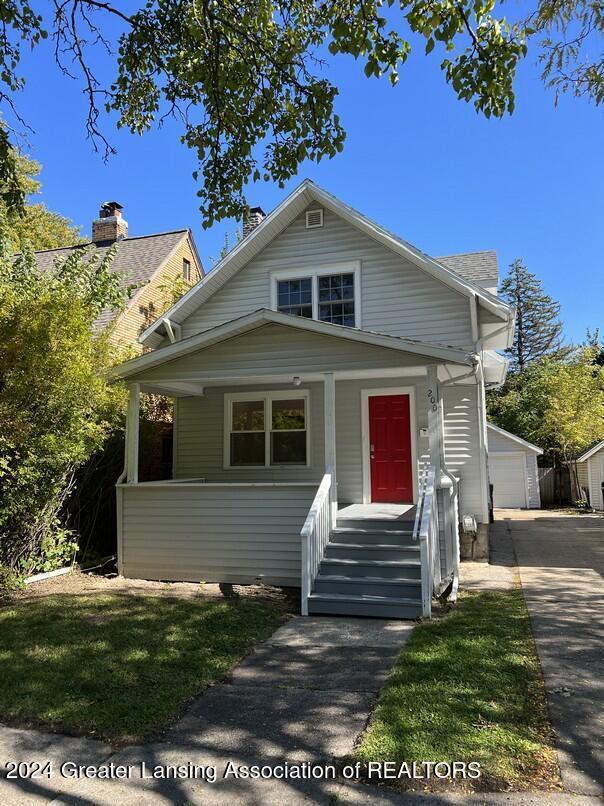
(590, 470)
(513, 470)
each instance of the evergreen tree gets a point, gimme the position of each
(538, 331)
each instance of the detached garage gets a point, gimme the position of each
(513, 470)
(590, 470)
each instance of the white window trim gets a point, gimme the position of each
(267, 397)
(380, 392)
(303, 272)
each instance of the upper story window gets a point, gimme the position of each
(330, 294)
(186, 269)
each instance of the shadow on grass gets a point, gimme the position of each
(119, 667)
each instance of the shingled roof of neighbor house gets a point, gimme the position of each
(478, 267)
(137, 259)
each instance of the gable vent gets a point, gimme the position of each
(314, 218)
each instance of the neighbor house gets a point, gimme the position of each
(590, 472)
(151, 266)
(330, 428)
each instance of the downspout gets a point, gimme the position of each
(481, 405)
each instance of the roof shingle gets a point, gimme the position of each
(478, 267)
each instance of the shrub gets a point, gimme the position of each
(56, 408)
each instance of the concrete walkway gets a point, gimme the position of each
(561, 567)
(304, 696)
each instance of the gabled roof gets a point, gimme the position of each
(264, 316)
(591, 451)
(138, 259)
(283, 215)
(478, 267)
(514, 438)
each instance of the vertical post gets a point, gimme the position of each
(329, 385)
(132, 428)
(436, 420)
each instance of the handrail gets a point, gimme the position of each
(426, 531)
(315, 534)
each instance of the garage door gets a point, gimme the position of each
(508, 479)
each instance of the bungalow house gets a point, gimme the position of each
(330, 428)
(148, 264)
(590, 473)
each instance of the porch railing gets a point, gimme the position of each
(436, 528)
(426, 531)
(315, 534)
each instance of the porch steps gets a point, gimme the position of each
(373, 606)
(372, 568)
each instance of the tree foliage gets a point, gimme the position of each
(26, 224)
(538, 331)
(557, 404)
(55, 406)
(246, 78)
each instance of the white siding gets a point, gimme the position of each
(499, 443)
(199, 438)
(199, 449)
(462, 446)
(596, 464)
(216, 534)
(397, 297)
(278, 349)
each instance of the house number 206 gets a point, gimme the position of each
(432, 399)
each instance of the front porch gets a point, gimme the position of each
(273, 472)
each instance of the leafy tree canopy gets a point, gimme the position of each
(56, 407)
(538, 331)
(245, 76)
(556, 404)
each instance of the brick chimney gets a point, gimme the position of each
(110, 226)
(253, 218)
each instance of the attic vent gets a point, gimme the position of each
(314, 218)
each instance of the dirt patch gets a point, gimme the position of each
(78, 583)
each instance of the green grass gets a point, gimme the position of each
(119, 667)
(468, 687)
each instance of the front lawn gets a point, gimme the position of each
(119, 667)
(468, 687)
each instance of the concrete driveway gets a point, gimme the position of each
(561, 566)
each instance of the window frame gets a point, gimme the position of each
(186, 264)
(314, 272)
(267, 397)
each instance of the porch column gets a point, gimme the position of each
(436, 420)
(329, 388)
(132, 429)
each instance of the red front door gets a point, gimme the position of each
(390, 449)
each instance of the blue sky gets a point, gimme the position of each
(417, 160)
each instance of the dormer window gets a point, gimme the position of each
(329, 294)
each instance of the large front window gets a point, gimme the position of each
(323, 294)
(266, 430)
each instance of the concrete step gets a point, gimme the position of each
(385, 569)
(374, 551)
(372, 586)
(394, 537)
(372, 606)
(375, 523)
